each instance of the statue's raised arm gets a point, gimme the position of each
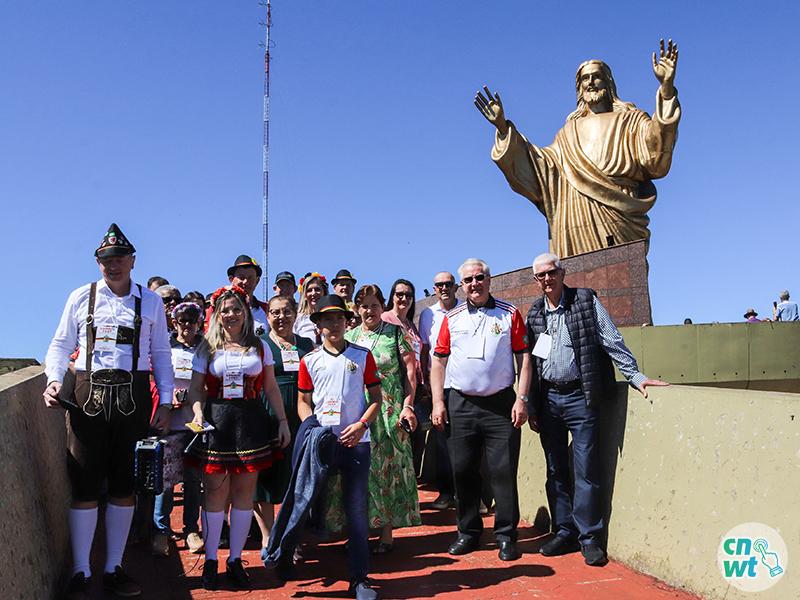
(664, 68)
(491, 107)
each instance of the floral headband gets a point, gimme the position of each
(187, 306)
(310, 276)
(228, 289)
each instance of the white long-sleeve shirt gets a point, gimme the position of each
(110, 309)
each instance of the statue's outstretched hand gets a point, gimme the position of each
(491, 107)
(664, 68)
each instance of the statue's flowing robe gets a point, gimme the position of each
(585, 202)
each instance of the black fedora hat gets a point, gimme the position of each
(344, 275)
(244, 261)
(285, 276)
(331, 304)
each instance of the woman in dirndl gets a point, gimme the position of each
(233, 369)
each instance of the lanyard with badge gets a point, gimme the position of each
(182, 364)
(476, 343)
(331, 413)
(290, 357)
(106, 338)
(233, 378)
(545, 341)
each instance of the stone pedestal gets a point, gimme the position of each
(618, 275)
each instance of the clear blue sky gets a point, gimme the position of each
(149, 114)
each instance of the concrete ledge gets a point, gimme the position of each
(35, 490)
(684, 467)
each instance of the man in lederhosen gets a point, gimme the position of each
(121, 332)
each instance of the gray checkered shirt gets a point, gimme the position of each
(560, 364)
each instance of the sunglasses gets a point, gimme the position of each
(186, 323)
(470, 278)
(170, 300)
(542, 276)
(408, 295)
(443, 284)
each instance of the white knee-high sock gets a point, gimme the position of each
(82, 523)
(240, 527)
(212, 530)
(118, 524)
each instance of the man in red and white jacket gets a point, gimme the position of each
(479, 342)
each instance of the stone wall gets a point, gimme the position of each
(34, 491)
(681, 469)
(618, 275)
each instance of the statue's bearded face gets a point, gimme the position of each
(593, 85)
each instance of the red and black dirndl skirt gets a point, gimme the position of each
(244, 438)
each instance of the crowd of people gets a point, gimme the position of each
(316, 406)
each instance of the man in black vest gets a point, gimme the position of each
(574, 342)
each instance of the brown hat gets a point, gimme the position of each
(750, 312)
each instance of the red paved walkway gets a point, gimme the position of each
(419, 567)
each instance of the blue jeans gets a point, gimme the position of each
(578, 508)
(165, 501)
(353, 464)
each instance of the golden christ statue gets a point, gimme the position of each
(594, 183)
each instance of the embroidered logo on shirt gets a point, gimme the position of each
(351, 366)
(496, 329)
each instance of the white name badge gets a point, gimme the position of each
(233, 385)
(417, 348)
(542, 346)
(331, 412)
(290, 360)
(475, 346)
(106, 338)
(182, 367)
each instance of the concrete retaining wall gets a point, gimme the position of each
(34, 490)
(685, 466)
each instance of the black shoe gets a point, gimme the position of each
(236, 574)
(120, 584)
(443, 502)
(284, 570)
(594, 555)
(78, 587)
(363, 590)
(559, 545)
(508, 551)
(209, 578)
(463, 545)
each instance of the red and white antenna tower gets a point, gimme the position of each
(265, 155)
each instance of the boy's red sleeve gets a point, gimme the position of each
(304, 383)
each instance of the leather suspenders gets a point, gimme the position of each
(137, 328)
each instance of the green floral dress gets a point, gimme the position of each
(392, 484)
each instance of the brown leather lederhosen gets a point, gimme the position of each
(113, 412)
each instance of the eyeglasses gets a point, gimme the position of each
(408, 295)
(287, 312)
(542, 276)
(443, 284)
(470, 278)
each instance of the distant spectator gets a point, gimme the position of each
(750, 316)
(156, 282)
(195, 297)
(785, 310)
(687, 321)
(285, 284)
(171, 296)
